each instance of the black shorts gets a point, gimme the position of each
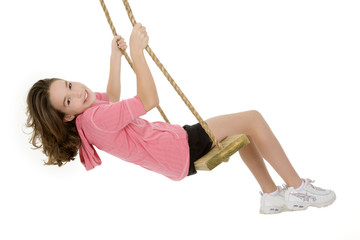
(199, 144)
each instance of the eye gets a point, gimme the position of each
(70, 85)
(68, 101)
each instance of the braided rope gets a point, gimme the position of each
(125, 53)
(173, 83)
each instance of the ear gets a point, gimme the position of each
(68, 118)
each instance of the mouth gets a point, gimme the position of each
(86, 96)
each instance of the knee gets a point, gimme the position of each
(255, 116)
(256, 119)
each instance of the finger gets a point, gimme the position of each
(122, 46)
(121, 41)
(116, 40)
(143, 29)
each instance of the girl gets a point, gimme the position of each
(68, 117)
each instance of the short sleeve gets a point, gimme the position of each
(102, 96)
(113, 117)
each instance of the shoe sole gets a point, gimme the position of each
(271, 210)
(294, 207)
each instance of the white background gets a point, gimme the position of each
(297, 62)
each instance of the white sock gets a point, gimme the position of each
(301, 186)
(276, 192)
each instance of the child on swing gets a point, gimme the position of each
(68, 117)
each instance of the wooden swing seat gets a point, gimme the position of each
(216, 156)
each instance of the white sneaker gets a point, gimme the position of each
(270, 204)
(308, 196)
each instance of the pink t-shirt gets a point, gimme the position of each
(117, 129)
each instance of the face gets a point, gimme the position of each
(71, 98)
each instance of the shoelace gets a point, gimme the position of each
(314, 187)
(285, 187)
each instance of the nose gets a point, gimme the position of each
(76, 94)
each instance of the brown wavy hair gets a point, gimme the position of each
(60, 140)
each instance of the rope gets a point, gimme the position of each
(173, 83)
(125, 53)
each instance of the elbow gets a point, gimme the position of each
(157, 101)
(149, 103)
(154, 103)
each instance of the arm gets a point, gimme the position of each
(146, 88)
(114, 86)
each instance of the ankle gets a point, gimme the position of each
(272, 191)
(276, 192)
(298, 185)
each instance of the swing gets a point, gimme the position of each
(222, 150)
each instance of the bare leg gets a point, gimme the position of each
(264, 144)
(255, 162)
